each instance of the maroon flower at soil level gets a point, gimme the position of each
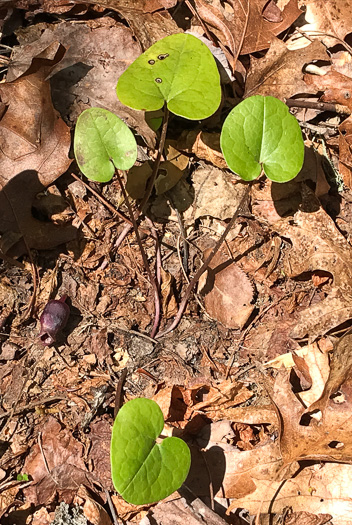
(53, 319)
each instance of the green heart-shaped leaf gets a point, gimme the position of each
(102, 143)
(260, 133)
(179, 70)
(143, 471)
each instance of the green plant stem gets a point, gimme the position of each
(151, 182)
(203, 268)
(144, 257)
(154, 174)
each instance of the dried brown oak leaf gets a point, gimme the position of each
(64, 460)
(227, 292)
(279, 73)
(231, 25)
(319, 489)
(328, 438)
(318, 245)
(338, 89)
(97, 53)
(34, 152)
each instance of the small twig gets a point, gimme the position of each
(321, 106)
(203, 268)
(144, 257)
(313, 33)
(102, 199)
(44, 458)
(29, 310)
(111, 507)
(118, 393)
(42, 451)
(32, 405)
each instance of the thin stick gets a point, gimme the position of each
(321, 106)
(144, 257)
(202, 269)
(314, 32)
(118, 393)
(106, 203)
(111, 507)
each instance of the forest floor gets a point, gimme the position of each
(256, 377)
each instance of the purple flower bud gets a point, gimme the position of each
(53, 319)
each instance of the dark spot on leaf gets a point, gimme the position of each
(158, 80)
(163, 56)
(347, 95)
(151, 62)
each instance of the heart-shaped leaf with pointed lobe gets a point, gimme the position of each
(102, 143)
(144, 471)
(179, 70)
(261, 134)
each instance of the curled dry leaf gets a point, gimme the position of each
(227, 291)
(93, 511)
(34, 152)
(328, 439)
(205, 146)
(317, 363)
(336, 86)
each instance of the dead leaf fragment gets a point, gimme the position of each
(306, 518)
(63, 454)
(227, 292)
(215, 193)
(318, 245)
(97, 54)
(323, 489)
(279, 73)
(205, 146)
(325, 18)
(258, 31)
(34, 153)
